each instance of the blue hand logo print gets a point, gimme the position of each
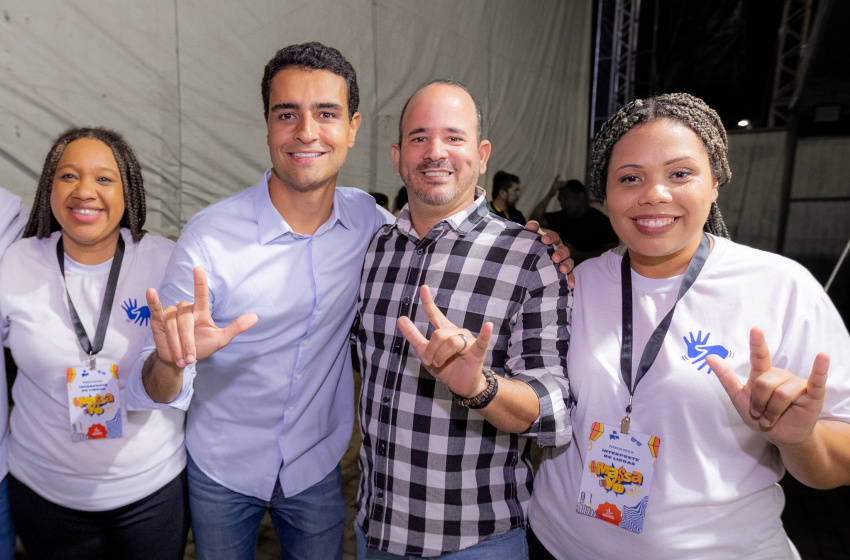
(698, 350)
(139, 315)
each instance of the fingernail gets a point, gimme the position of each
(190, 358)
(764, 422)
(754, 413)
(181, 363)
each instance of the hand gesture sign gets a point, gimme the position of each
(781, 406)
(186, 332)
(452, 355)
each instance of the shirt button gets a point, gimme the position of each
(406, 299)
(304, 343)
(291, 408)
(282, 438)
(298, 376)
(380, 495)
(419, 251)
(386, 399)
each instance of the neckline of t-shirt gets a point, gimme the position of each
(74, 267)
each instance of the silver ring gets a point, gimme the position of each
(465, 341)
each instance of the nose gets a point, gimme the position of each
(85, 188)
(307, 130)
(435, 150)
(655, 193)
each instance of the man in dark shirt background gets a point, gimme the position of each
(504, 197)
(584, 229)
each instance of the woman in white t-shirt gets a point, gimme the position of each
(684, 417)
(88, 479)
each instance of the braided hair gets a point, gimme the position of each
(680, 107)
(42, 222)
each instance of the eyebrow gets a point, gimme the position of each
(101, 168)
(668, 162)
(319, 105)
(451, 129)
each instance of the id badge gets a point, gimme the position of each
(94, 403)
(617, 476)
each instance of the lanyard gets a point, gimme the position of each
(653, 346)
(105, 308)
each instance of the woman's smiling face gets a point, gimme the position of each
(87, 199)
(658, 195)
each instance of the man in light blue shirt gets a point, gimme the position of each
(270, 415)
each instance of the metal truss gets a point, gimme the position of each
(615, 58)
(793, 35)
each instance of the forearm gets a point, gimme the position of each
(539, 212)
(162, 381)
(514, 408)
(823, 460)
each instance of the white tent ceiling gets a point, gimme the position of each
(180, 79)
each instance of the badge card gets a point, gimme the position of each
(617, 477)
(94, 403)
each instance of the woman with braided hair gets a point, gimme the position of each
(88, 479)
(684, 417)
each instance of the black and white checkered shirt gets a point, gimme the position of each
(437, 477)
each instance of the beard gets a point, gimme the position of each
(434, 194)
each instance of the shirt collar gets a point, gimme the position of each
(271, 224)
(461, 222)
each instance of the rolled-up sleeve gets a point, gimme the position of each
(537, 352)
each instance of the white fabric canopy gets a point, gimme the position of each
(181, 80)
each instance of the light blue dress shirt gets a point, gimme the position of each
(279, 400)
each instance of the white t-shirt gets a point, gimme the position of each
(714, 493)
(94, 475)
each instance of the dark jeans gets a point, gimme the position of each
(536, 550)
(153, 527)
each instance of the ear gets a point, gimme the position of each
(715, 189)
(483, 155)
(354, 124)
(395, 155)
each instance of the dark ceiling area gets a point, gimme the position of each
(725, 51)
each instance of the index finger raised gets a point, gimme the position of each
(154, 305)
(760, 360)
(202, 290)
(435, 316)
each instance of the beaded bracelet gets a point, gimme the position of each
(483, 398)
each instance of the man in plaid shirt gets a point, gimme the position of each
(459, 309)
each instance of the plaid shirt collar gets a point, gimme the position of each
(461, 222)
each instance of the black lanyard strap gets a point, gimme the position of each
(653, 346)
(106, 306)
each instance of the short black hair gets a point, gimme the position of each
(312, 56)
(400, 199)
(573, 185)
(381, 199)
(42, 222)
(502, 181)
(449, 82)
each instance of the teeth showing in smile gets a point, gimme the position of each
(299, 155)
(86, 211)
(436, 173)
(655, 223)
